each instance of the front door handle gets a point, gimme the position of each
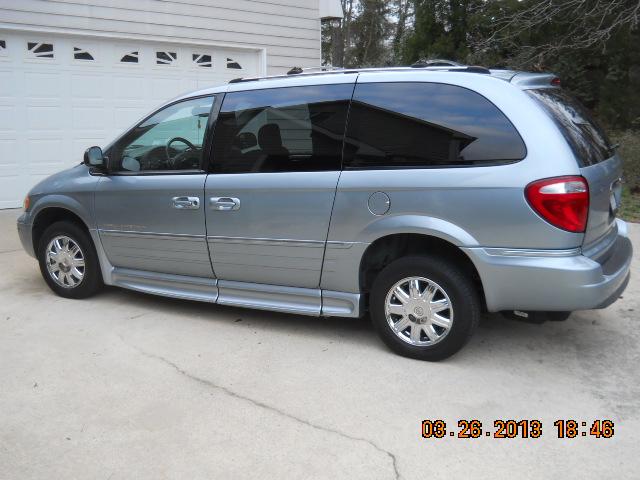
(224, 203)
(186, 203)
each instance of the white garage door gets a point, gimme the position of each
(61, 94)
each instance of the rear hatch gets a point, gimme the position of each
(596, 158)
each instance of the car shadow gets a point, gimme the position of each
(496, 335)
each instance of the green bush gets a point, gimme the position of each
(629, 150)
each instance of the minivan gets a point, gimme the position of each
(423, 196)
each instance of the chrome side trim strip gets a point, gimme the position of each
(268, 241)
(337, 244)
(134, 233)
(525, 252)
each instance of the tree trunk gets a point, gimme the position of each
(403, 12)
(337, 46)
(347, 31)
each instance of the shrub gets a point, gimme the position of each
(629, 150)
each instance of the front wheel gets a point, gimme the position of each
(424, 307)
(68, 261)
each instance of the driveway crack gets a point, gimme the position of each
(258, 403)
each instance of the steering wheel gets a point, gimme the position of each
(190, 146)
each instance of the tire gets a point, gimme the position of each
(72, 285)
(449, 283)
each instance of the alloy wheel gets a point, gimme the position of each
(419, 311)
(65, 261)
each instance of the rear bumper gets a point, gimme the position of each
(553, 280)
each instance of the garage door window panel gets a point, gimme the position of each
(233, 65)
(166, 58)
(82, 54)
(40, 50)
(202, 60)
(131, 57)
(170, 140)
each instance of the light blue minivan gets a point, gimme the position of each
(424, 196)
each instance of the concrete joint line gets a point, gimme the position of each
(257, 403)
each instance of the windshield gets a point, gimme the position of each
(587, 139)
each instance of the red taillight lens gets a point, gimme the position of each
(561, 201)
(555, 81)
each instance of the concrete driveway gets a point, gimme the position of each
(128, 385)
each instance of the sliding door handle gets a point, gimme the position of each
(224, 203)
(186, 203)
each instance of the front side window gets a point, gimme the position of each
(421, 125)
(293, 129)
(171, 139)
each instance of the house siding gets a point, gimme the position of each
(289, 30)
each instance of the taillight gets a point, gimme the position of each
(561, 201)
(555, 81)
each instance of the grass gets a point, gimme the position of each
(629, 150)
(630, 208)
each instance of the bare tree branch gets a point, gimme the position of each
(584, 23)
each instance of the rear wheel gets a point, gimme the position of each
(68, 261)
(424, 307)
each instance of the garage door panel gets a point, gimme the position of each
(128, 87)
(7, 118)
(44, 117)
(93, 86)
(44, 156)
(8, 84)
(89, 118)
(9, 157)
(42, 85)
(165, 88)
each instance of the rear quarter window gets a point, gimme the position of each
(422, 125)
(584, 135)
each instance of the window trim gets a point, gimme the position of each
(472, 164)
(206, 146)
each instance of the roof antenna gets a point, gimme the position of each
(295, 71)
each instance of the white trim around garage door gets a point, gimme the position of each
(149, 38)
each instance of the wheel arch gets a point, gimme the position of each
(51, 213)
(388, 248)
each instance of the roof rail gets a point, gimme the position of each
(474, 69)
(338, 70)
(296, 71)
(440, 64)
(436, 62)
(322, 68)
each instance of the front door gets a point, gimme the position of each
(275, 166)
(150, 208)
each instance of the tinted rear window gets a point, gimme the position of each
(422, 125)
(586, 138)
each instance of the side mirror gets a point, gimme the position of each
(93, 157)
